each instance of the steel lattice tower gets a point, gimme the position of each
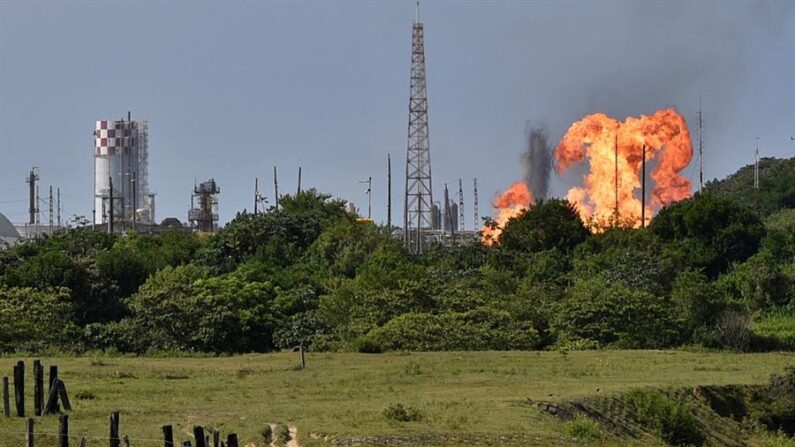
(419, 192)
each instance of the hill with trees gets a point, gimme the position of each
(712, 270)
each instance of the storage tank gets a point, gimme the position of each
(121, 155)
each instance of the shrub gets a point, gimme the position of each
(399, 412)
(614, 314)
(669, 419)
(583, 428)
(733, 330)
(479, 329)
(367, 345)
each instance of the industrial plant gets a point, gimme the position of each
(121, 173)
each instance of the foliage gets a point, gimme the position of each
(776, 186)
(544, 226)
(717, 231)
(479, 329)
(184, 308)
(708, 271)
(669, 419)
(615, 314)
(31, 319)
(583, 428)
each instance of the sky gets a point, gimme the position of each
(232, 89)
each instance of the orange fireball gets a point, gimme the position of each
(508, 204)
(614, 153)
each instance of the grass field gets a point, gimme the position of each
(346, 394)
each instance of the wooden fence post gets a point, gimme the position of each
(29, 442)
(83, 441)
(64, 397)
(216, 438)
(198, 434)
(113, 438)
(231, 440)
(6, 403)
(38, 388)
(126, 441)
(63, 431)
(53, 378)
(52, 400)
(168, 436)
(19, 388)
(303, 356)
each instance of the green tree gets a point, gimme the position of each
(717, 231)
(615, 314)
(544, 226)
(32, 319)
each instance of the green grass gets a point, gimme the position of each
(456, 393)
(778, 327)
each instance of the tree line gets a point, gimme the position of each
(310, 273)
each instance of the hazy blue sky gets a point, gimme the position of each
(233, 88)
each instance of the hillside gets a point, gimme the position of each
(776, 186)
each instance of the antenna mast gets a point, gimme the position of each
(461, 226)
(475, 204)
(419, 190)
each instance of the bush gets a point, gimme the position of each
(480, 329)
(583, 428)
(614, 314)
(733, 330)
(669, 419)
(399, 412)
(33, 320)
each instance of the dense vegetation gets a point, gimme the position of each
(707, 271)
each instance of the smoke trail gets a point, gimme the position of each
(537, 161)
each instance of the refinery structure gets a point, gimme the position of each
(122, 197)
(121, 173)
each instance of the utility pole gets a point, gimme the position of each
(643, 189)
(33, 208)
(299, 180)
(461, 225)
(58, 207)
(50, 215)
(256, 194)
(276, 188)
(475, 204)
(389, 193)
(111, 214)
(756, 165)
(369, 182)
(700, 147)
(135, 200)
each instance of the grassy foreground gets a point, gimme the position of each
(459, 392)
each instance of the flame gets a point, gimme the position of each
(614, 151)
(508, 204)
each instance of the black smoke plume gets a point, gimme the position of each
(537, 161)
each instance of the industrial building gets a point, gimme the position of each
(121, 173)
(203, 216)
